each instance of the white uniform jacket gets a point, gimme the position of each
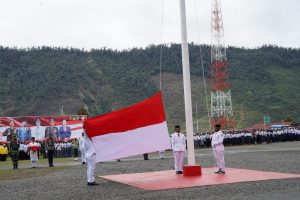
(178, 142)
(34, 154)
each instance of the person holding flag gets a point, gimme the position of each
(33, 147)
(90, 157)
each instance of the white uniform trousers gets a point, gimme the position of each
(82, 153)
(33, 163)
(91, 165)
(219, 157)
(178, 160)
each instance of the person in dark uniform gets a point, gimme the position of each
(9, 132)
(14, 151)
(50, 146)
(146, 156)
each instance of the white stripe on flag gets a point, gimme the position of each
(134, 142)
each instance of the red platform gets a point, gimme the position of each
(162, 180)
(192, 170)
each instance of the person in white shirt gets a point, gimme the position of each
(81, 148)
(90, 156)
(179, 148)
(161, 154)
(58, 149)
(33, 147)
(218, 148)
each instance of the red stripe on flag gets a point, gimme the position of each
(144, 113)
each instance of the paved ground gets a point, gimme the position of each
(70, 182)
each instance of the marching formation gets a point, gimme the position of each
(232, 138)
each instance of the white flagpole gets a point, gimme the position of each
(187, 85)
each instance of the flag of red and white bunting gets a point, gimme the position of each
(138, 129)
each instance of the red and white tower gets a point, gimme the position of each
(221, 106)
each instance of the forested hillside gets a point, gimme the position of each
(37, 81)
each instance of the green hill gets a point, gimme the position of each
(37, 81)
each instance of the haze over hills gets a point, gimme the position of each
(37, 81)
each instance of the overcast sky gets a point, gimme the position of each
(122, 24)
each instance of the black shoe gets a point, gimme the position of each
(177, 172)
(218, 172)
(222, 172)
(92, 183)
(180, 172)
(83, 163)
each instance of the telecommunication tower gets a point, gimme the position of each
(221, 105)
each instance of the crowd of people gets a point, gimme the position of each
(232, 138)
(62, 149)
(53, 142)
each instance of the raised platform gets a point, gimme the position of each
(162, 180)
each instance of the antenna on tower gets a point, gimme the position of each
(221, 105)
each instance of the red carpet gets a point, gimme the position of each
(162, 180)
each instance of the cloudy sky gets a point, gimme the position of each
(122, 24)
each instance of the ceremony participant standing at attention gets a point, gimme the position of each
(81, 148)
(90, 156)
(14, 151)
(161, 154)
(218, 148)
(178, 143)
(24, 132)
(50, 147)
(145, 156)
(33, 147)
(64, 131)
(9, 132)
(51, 130)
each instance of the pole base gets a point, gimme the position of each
(192, 170)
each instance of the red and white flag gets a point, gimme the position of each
(138, 129)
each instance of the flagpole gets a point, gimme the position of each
(187, 86)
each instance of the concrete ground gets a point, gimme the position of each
(68, 179)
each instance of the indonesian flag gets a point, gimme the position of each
(138, 129)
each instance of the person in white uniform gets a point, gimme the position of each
(218, 148)
(81, 148)
(90, 157)
(161, 154)
(178, 142)
(33, 147)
